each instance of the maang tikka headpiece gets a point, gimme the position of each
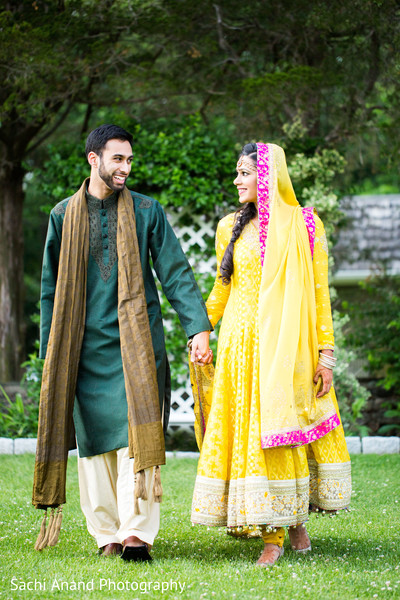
(245, 161)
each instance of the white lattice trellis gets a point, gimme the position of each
(182, 406)
(195, 241)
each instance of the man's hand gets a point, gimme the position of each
(201, 351)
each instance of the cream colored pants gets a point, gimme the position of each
(106, 484)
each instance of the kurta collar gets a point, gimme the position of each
(94, 202)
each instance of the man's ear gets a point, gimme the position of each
(93, 159)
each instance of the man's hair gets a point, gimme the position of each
(98, 138)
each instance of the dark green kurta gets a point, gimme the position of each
(100, 412)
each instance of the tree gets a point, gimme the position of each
(53, 54)
(260, 64)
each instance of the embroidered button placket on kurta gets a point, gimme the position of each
(100, 378)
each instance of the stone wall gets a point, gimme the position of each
(369, 239)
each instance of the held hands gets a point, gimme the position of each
(201, 352)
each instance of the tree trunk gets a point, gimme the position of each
(12, 326)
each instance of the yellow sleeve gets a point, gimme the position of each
(322, 298)
(220, 293)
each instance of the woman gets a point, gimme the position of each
(274, 445)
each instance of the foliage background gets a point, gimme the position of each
(190, 173)
(375, 331)
(193, 81)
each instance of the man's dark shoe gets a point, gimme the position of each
(139, 552)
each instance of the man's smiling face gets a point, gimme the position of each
(115, 164)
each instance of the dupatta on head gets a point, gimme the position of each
(291, 414)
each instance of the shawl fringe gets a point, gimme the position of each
(146, 439)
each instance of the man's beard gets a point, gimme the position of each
(108, 179)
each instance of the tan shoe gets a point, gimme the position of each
(111, 549)
(299, 539)
(270, 555)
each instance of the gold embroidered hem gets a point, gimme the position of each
(255, 501)
(250, 500)
(330, 485)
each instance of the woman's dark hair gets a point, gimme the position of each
(98, 138)
(243, 215)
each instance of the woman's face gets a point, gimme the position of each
(246, 180)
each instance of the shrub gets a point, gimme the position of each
(19, 418)
(352, 396)
(375, 335)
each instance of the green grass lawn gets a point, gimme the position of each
(355, 555)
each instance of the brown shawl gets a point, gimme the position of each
(146, 440)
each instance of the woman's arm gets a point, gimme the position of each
(322, 298)
(220, 293)
(218, 297)
(323, 305)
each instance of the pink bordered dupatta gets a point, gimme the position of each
(291, 414)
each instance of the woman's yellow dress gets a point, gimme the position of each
(238, 483)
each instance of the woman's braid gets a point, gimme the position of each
(242, 217)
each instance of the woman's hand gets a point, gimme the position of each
(201, 352)
(325, 374)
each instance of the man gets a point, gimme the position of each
(106, 376)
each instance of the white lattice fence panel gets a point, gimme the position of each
(182, 406)
(195, 236)
(196, 239)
